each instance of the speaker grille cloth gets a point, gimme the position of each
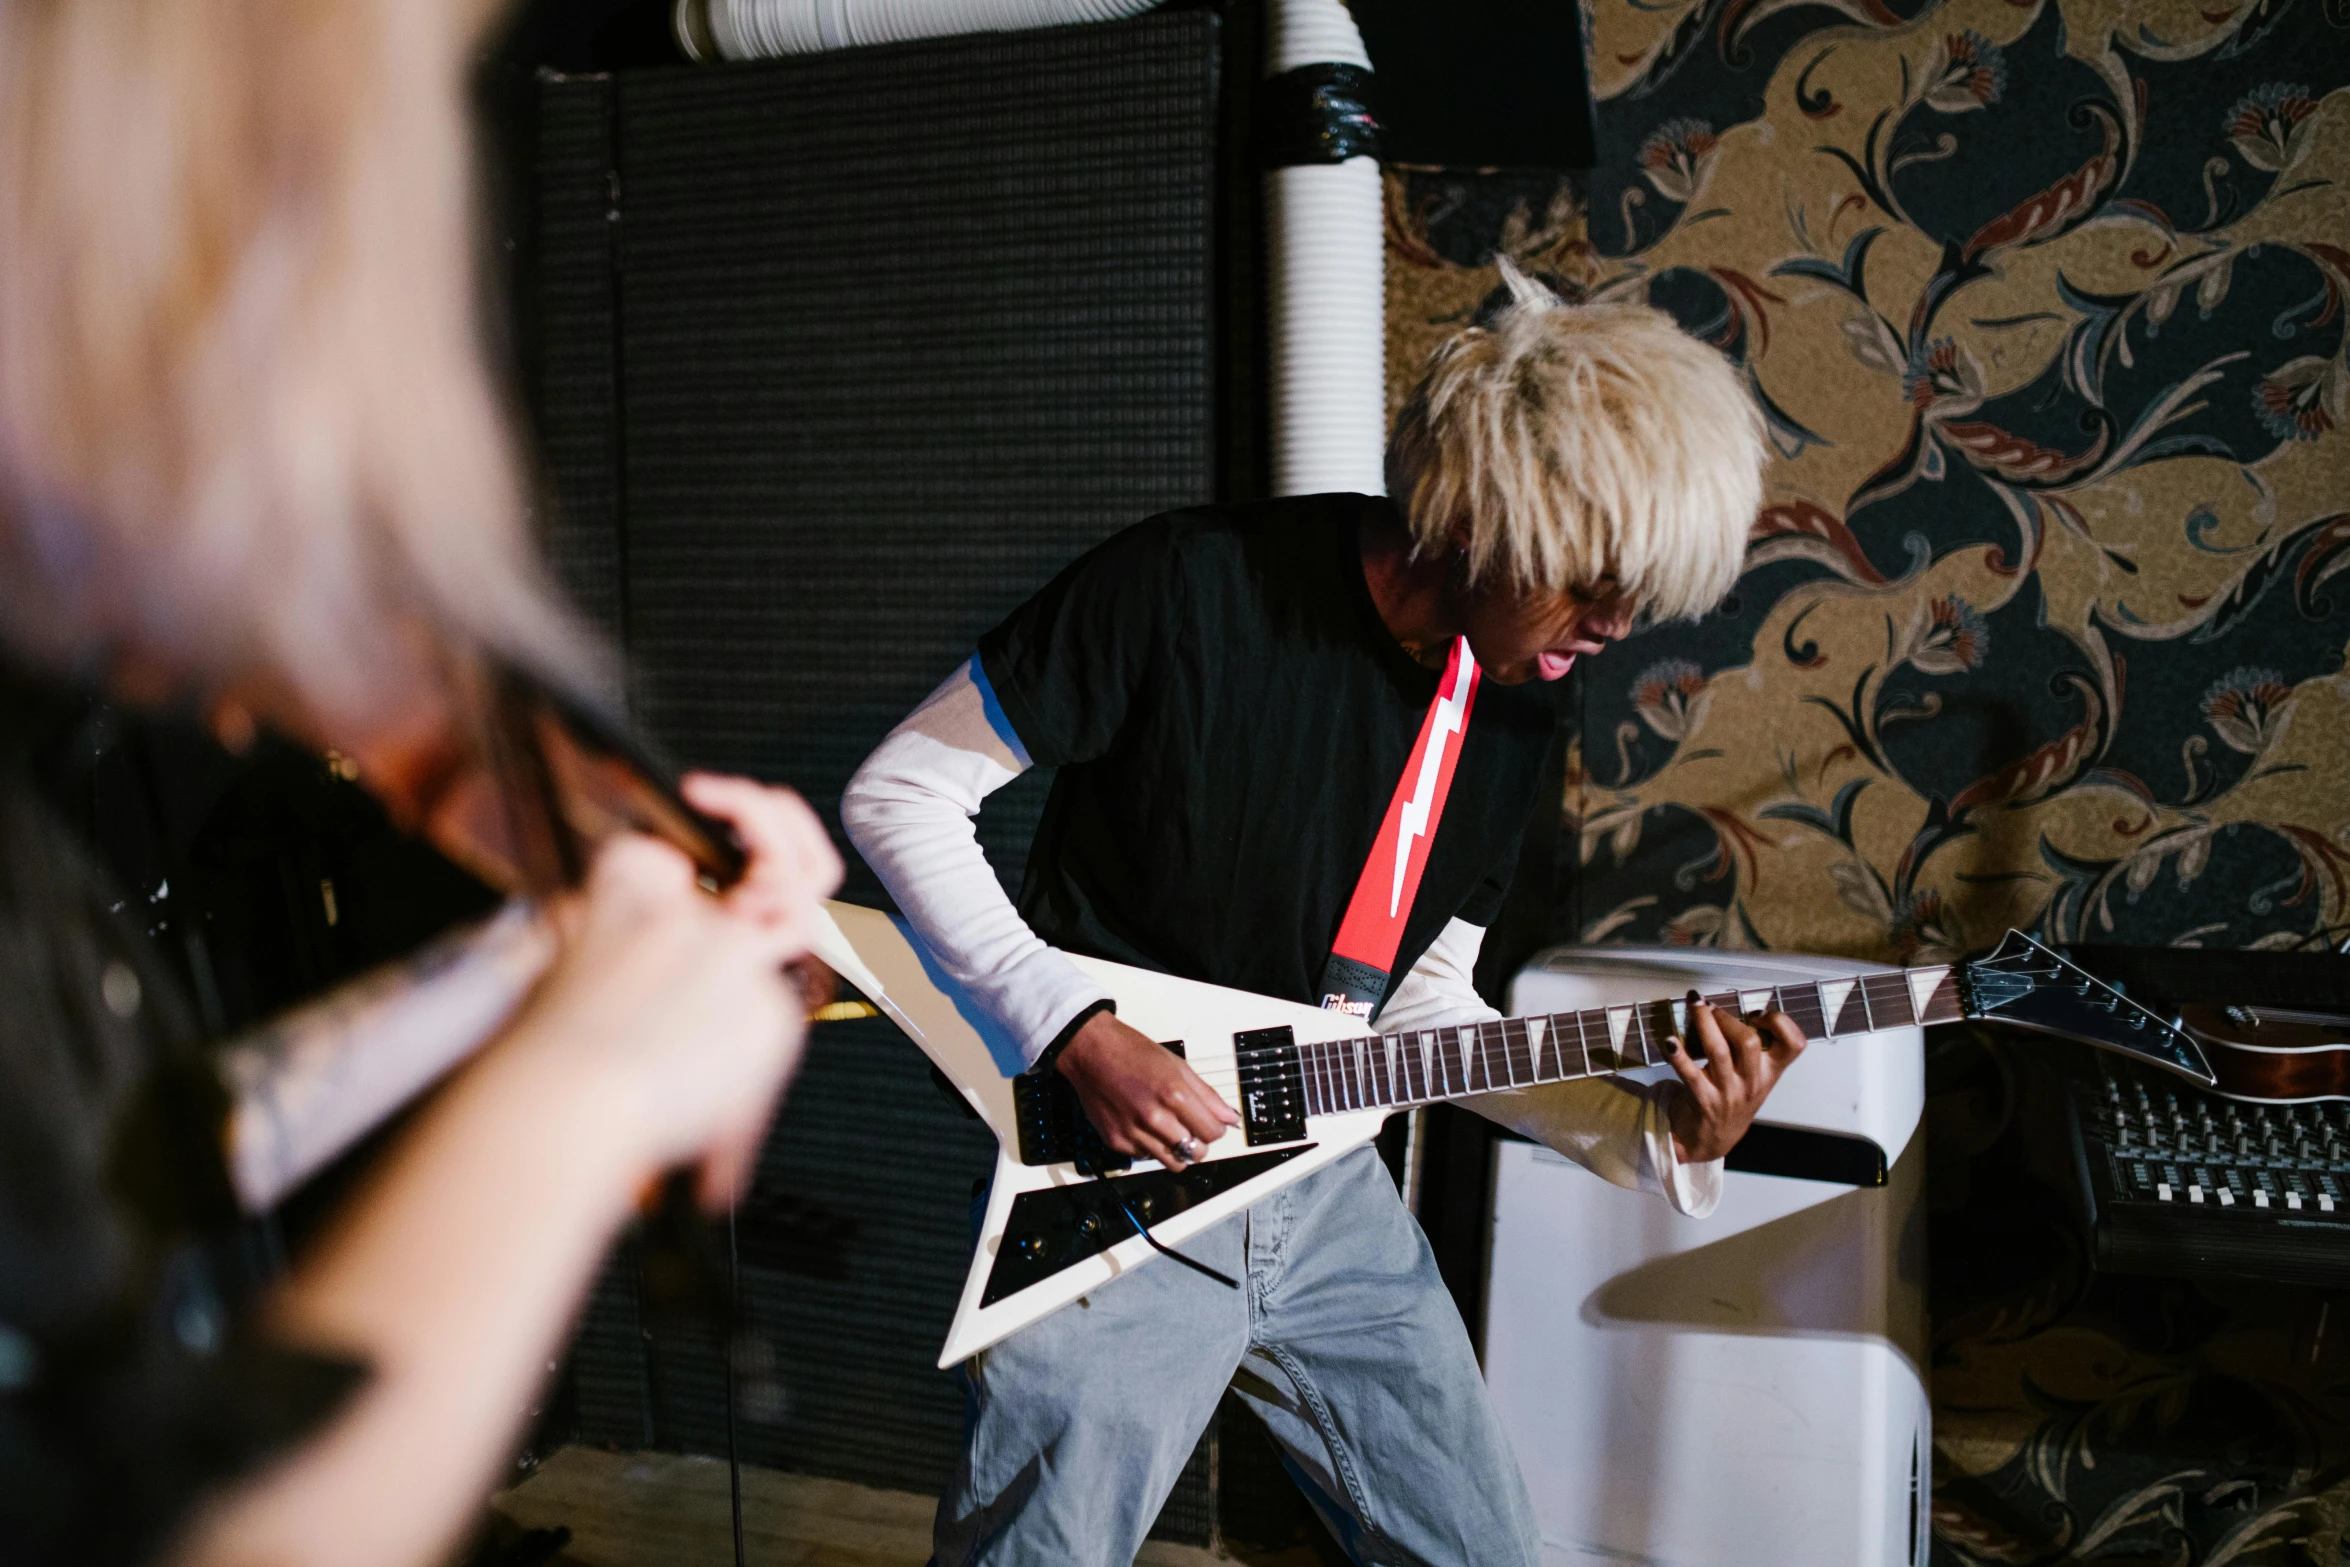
(846, 356)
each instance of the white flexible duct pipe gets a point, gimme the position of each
(1326, 286)
(1312, 32)
(765, 29)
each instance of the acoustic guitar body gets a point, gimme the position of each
(2270, 1055)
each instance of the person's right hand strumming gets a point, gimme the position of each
(1142, 1097)
(664, 1020)
(668, 1018)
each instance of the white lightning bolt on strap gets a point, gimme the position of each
(1413, 823)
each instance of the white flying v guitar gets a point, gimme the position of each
(1066, 1215)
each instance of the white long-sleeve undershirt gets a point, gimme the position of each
(909, 811)
(1620, 1131)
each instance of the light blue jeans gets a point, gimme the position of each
(1342, 1338)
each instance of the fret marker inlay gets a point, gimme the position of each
(1922, 983)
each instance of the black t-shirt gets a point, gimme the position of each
(1230, 718)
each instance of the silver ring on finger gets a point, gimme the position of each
(1187, 1151)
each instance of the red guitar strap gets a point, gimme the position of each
(1356, 977)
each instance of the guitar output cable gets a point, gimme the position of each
(1152, 1241)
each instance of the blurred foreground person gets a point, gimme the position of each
(249, 459)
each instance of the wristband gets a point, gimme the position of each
(1052, 1052)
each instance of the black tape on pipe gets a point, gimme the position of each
(1316, 114)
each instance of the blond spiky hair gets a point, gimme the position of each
(1578, 442)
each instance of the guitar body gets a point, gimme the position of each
(1056, 1210)
(2271, 1056)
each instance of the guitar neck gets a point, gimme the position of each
(1418, 1066)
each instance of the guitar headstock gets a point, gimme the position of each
(2027, 985)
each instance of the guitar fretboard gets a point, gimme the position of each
(1520, 1052)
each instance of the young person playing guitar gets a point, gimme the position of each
(1232, 694)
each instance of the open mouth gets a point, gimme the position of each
(1552, 663)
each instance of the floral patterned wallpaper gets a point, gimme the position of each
(2043, 624)
(2044, 620)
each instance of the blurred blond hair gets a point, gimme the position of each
(1579, 442)
(245, 428)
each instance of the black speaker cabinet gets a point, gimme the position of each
(835, 361)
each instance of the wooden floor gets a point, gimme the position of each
(662, 1510)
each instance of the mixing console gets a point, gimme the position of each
(2180, 1182)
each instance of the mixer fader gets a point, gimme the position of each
(2179, 1181)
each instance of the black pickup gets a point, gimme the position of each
(1272, 1086)
(1053, 1127)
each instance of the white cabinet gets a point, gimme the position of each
(1744, 1390)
